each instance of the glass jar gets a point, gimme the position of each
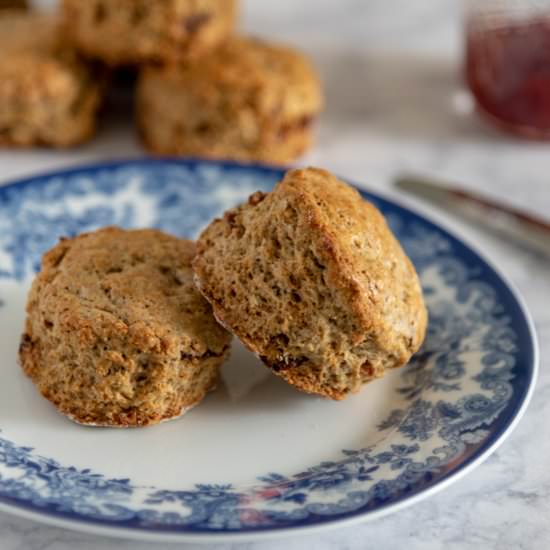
(508, 63)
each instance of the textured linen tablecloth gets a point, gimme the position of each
(392, 76)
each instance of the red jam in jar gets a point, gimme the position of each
(508, 72)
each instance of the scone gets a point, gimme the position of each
(116, 333)
(248, 101)
(48, 96)
(312, 280)
(121, 32)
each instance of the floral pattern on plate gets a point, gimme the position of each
(461, 392)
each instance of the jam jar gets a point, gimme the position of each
(508, 63)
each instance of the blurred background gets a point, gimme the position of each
(396, 100)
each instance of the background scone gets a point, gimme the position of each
(311, 279)
(121, 32)
(48, 96)
(116, 333)
(248, 101)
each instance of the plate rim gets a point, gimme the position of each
(92, 527)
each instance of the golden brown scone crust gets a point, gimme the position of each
(312, 280)
(122, 32)
(248, 101)
(48, 96)
(116, 333)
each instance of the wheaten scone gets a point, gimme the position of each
(116, 333)
(121, 32)
(248, 100)
(312, 280)
(48, 96)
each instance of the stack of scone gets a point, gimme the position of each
(203, 90)
(129, 328)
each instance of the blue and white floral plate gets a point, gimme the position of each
(256, 458)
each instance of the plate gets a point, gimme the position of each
(256, 458)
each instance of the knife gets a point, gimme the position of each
(508, 222)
